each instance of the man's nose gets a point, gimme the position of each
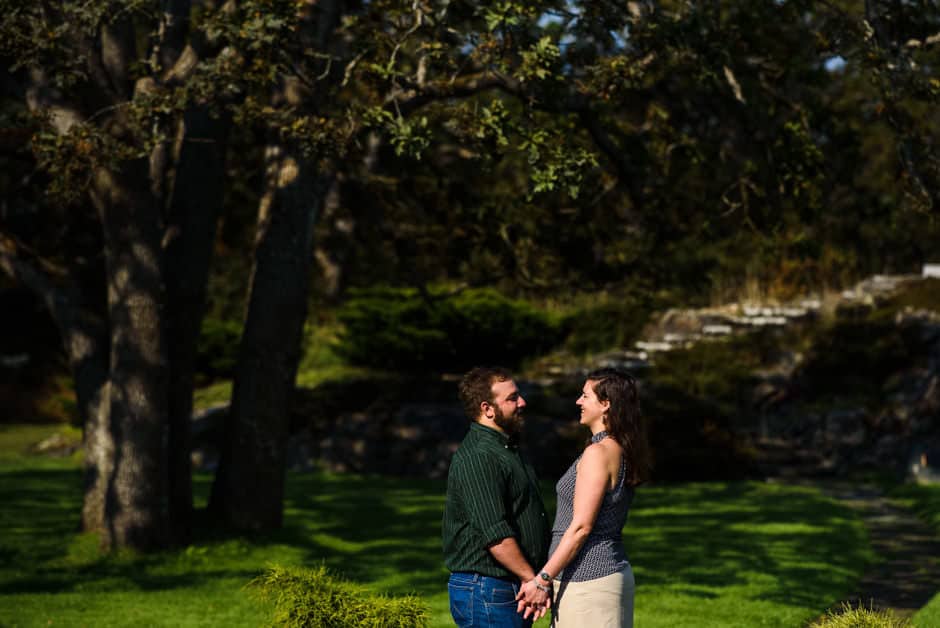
(521, 403)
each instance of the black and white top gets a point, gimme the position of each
(602, 553)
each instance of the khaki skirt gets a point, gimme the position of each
(600, 603)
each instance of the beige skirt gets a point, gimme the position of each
(601, 603)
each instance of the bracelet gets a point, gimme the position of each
(542, 587)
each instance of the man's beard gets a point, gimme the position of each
(511, 424)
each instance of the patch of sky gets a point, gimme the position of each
(566, 22)
(550, 18)
(620, 37)
(834, 64)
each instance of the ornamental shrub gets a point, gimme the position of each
(314, 598)
(401, 328)
(850, 617)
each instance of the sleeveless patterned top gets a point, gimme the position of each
(602, 553)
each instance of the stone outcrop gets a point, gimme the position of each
(413, 430)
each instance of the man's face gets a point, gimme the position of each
(507, 406)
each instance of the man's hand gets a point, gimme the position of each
(533, 600)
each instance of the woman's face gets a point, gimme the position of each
(592, 410)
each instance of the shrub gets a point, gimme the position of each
(612, 322)
(217, 349)
(850, 617)
(693, 397)
(315, 598)
(403, 329)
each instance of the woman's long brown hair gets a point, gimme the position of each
(624, 421)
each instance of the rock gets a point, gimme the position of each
(56, 445)
(15, 361)
(717, 330)
(653, 347)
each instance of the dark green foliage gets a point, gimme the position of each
(615, 322)
(693, 397)
(218, 348)
(859, 352)
(854, 357)
(314, 598)
(402, 328)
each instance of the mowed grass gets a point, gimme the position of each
(717, 554)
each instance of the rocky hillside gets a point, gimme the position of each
(831, 385)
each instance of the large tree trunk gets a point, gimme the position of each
(249, 486)
(195, 205)
(86, 344)
(248, 492)
(135, 505)
(84, 337)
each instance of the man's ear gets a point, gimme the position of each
(485, 407)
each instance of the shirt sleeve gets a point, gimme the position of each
(483, 486)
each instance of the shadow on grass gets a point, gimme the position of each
(365, 529)
(725, 535)
(695, 539)
(370, 528)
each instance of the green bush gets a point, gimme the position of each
(217, 349)
(314, 598)
(694, 396)
(402, 328)
(613, 322)
(850, 617)
(857, 356)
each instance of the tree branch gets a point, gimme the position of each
(38, 275)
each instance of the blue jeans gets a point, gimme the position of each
(484, 602)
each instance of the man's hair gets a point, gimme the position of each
(476, 387)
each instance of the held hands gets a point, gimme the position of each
(533, 600)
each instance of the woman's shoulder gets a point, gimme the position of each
(609, 446)
(603, 451)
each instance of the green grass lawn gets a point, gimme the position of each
(717, 554)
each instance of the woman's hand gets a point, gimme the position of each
(534, 599)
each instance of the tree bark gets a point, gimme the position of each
(85, 340)
(248, 492)
(135, 504)
(249, 487)
(86, 343)
(195, 205)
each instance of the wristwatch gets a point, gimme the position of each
(544, 576)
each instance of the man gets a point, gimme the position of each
(495, 526)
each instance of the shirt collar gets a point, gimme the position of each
(507, 441)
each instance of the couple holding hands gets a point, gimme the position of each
(508, 567)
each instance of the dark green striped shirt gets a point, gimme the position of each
(492, 494)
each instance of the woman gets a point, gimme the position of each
(587, 563)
